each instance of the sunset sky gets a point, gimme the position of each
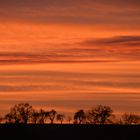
(70, 54)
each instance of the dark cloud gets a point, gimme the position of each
(121, 47)
(119, 40)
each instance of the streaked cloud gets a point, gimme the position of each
(124, 41)
(72, 12)
(90, 50)
(47, 81)
(79, 52)
(59, 89)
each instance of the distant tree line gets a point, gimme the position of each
(25, 113)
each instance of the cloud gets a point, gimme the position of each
(91, 50)
(121, 47)
(44, 80)
(71, 12)
(59, 55)
(62, 3)
(119, 40)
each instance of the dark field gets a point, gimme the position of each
(70, 132)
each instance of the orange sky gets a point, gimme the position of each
(70, 54)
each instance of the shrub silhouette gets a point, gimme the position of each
(69, 119)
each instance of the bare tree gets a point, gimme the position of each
(60, 117)
(9, 118)
(35, 117)
(20, 113)
(130, 118)
(100, 115)
(79, 116)
(24, 113)
(43, 116)
(52, 114)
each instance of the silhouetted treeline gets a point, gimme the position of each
(100, 114)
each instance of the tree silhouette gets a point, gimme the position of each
(24, 113)
(9, 118)
(69, 119)
(100, 115)
(35, 117)
(130, 118)
(19, 113)
(79, 116)
(1, 119)
(52, 114)
(39, 117)
(60, 117)
(42, 116)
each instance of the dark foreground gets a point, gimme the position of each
(69, 132)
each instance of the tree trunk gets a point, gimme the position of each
(51, 121)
